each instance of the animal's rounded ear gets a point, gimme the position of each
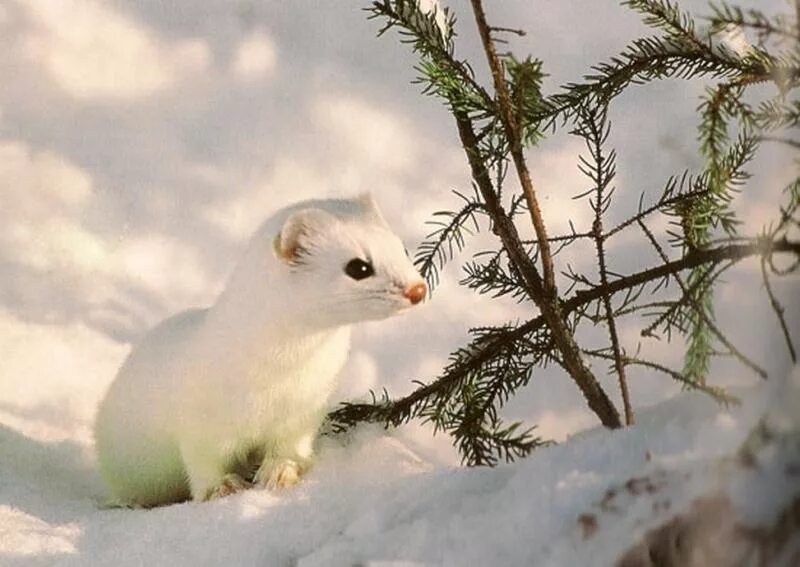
(370, 206)
(298, 233)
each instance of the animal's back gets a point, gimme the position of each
(135, 442)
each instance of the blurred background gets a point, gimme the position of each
(142, 141)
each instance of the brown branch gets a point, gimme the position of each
(531, 281)
(706, 278)
(541, 289)
(695, 258)
(511, 128)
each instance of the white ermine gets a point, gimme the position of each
(215, 400)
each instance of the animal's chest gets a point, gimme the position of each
(285, 397)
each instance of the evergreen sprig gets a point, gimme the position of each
(448, 237)
(496, 124)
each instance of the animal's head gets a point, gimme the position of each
(342, 259)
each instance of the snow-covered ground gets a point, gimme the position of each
(375, 499)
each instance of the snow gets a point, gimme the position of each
(371, 499)
(140, 145)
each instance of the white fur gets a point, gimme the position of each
(251, 376)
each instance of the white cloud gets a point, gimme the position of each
(290, 179)
(254, 58)
(93, 52)
(35, 179)
(361, 148)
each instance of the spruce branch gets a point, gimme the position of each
(601, 170)
(701, 311)
(496, 125)
(393, 413)
(529, 276)
(424, 32)
(514, 137)
(441, 244)
(719, 394)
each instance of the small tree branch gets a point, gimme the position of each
(531, 280)
(508, 119)
(694, 258)
(778, 309)
(715, 392)
(702, 313)
(398, 411)
(601, 171)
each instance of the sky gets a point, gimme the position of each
(142, 142)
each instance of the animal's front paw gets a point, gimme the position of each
(281, 473)
(230, 484)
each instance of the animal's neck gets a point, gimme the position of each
(261, 322)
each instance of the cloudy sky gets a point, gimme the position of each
(142, 141)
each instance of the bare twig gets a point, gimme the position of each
(515, 31)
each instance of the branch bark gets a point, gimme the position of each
(542, 290)
(508, 118)
(504, 227)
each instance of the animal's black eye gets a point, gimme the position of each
(358, 269)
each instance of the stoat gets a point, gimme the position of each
(216, 400)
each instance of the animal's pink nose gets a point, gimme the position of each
(416, 292)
